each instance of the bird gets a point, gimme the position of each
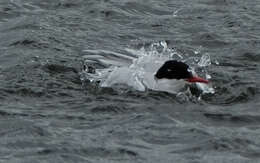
(168, 76)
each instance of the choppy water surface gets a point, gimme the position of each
(59, 102)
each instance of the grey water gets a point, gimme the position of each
(49, 114)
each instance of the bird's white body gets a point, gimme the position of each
(142, 80)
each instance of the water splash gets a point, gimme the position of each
(205, 60)
(139, 72)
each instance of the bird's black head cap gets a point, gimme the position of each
(173, 69)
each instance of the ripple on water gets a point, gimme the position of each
(37, 80)
(233, 119)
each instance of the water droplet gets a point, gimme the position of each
(198, 50)
(216, 62)
(208, 76)
(164, 45)
(175, 13)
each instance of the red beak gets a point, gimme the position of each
(195, 79)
